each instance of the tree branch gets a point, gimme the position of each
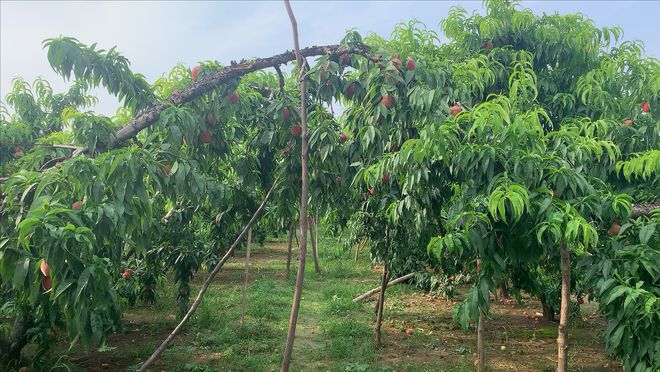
(643, 209)
(372, 292)
(209, 82)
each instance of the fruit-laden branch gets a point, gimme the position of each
(375, 290)
(643, 209)
(207, 282)
(215, 79)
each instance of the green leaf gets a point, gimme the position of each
(616, 293)
(646, 232)
(21, 272)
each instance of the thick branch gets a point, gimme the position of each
(207, 282)
(375, 290)
(212, 81)
(643, 209)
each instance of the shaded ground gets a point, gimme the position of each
(334, 333)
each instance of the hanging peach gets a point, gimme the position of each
(195, 72)
(296, 130)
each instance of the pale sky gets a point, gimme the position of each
(156, 35)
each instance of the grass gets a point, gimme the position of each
(334, 333)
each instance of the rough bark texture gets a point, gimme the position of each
(481, 330)
(207, 283)
(503, 292)
(562, 336)
(643, 209)
(381, 303)
(246, 276)
(11, 351)
(372, 292)
(548, 312)
(300, 276)
(313, 238)
(289, 244)
(481, 352)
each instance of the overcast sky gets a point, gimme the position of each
(156, 35)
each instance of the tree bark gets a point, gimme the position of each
(503, 292)
(245, 279)
(371, 292)
(481, 330)
(17, 340)
(644, 209)
(548, 312)
(481, 353)
(381, 303)
(312, 237)
(289, 244)
(562, 337)
(304, 195)
(207, 283)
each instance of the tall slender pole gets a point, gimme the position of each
(314, 240)
(562, 334)
(481, 330)
(245, 279)
(289, 245)
(381, 303)
(291, 335)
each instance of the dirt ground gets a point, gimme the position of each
(518, 339)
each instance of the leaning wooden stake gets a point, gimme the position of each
(562, 336)
(245, 279)
(289, 244)
(381, 303)
(304, 195)
(207, 283)
(372, 292)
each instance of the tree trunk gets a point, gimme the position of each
(548, 312)
(503, 292)
(381, 303)
(481, 330)
(481, 353)
(300, 276)
(17, 340)
(289, 244)
(312, 238)
(245, 280)
(562, 337)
